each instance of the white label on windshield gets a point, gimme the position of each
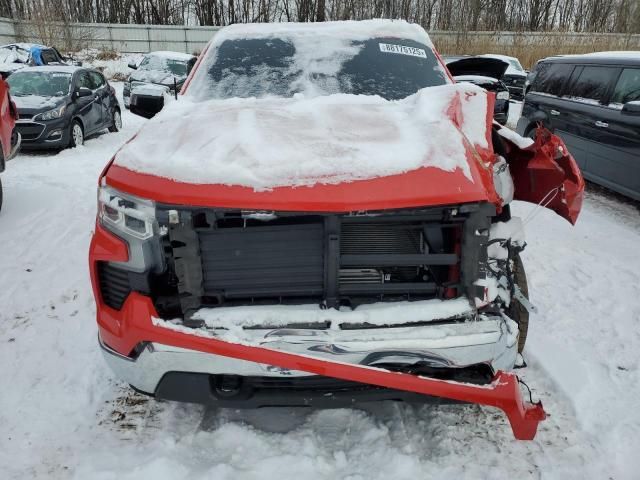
(402, 50)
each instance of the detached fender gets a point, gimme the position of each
(544, 172)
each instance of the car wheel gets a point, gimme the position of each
(116, 124)
(531, 133)
(77, 134)
(516, 310)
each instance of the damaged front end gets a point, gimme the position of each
(226, 305)
(399, 287)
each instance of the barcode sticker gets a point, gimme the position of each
(402, 50)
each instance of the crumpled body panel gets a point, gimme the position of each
(545, 173)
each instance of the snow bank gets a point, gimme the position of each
(272, 142)
(116, 68)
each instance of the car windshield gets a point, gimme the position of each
(392, 68)
(515, 64)
(164, 64)
(44, 84)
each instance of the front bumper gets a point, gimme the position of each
(43, 134)
(167, 348)
(450, 348)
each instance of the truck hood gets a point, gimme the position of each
(332, 153)
(478, 66)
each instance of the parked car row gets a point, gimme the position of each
(591, 101)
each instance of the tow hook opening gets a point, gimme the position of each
(229, 386)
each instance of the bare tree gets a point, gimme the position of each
(621, 16)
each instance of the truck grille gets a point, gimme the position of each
(223, 257)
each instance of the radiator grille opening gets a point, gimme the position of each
(228, 257)
(266, 261)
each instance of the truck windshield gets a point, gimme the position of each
(392, 68)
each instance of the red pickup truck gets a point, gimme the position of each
(9, 138)
(321, 218)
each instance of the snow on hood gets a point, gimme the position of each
(11, 67)
(35, 102)
(151, 89)
(156, 76)
(274, 142)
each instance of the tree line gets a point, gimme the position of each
(615, 16)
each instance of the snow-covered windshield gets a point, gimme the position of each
(43, 84)
(392, 68)
(164, 64)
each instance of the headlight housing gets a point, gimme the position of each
(51, 114)
(134, 220)
(504, 95)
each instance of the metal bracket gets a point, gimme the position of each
(524, 301)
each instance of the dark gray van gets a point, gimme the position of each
(593, 103)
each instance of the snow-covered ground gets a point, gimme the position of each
(64, 415)
(115, 67)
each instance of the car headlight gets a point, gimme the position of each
(51, 114)
(126, 214)
(502, 96)
(133, 219)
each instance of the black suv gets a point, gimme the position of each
(593, 102)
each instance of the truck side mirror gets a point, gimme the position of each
(146, 104)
